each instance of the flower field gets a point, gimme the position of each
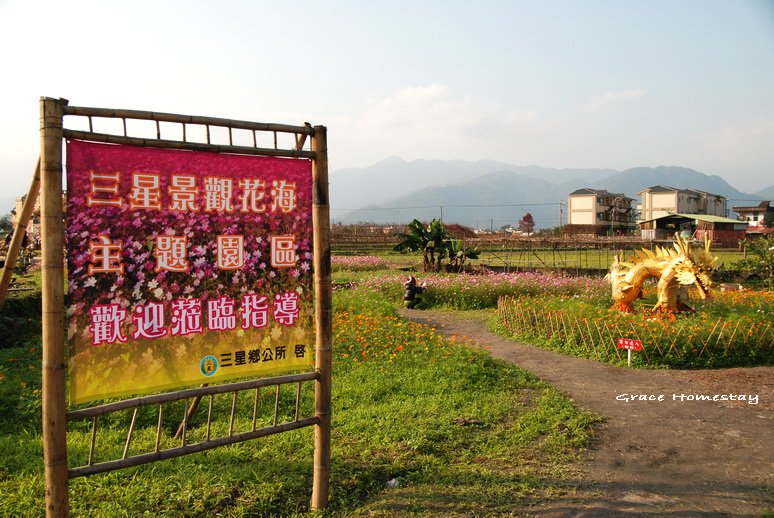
(573, 315)
(465, 292)
(358, 263)
(731, 329)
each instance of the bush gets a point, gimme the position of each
(760, 260)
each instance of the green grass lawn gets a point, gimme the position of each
(450, 430)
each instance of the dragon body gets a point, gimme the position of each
(676, 269)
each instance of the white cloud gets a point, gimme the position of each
(610, 98)
(432, 121)
(413, 108)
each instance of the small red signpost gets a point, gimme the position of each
(630, 345)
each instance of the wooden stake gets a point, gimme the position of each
(54, 407)
(18, 234)
(189, 415)
(323, 319)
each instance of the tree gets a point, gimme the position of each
(430, 240)
(458, 255)
(436, 245)
(760, 258)
(5, 223)
(527, 223)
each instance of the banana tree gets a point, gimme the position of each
(431, 240)
(458, 255)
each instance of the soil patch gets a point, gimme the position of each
(679, 455)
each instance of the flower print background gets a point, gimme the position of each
(173, 361)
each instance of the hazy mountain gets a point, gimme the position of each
(394, 178)
(488, 201)
(390, 178)
(631, 181)
(766, 194)
(552, 175)
(471, 193)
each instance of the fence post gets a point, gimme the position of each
(52, 264)
(323, 319)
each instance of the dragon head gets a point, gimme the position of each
(695, 267)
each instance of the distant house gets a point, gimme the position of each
(33, 225)
(660, 201)
(720, 230)
(755, 216)
(599, 212)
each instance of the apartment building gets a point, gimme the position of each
(660, 201)
(600, 208)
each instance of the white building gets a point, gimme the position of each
(600, 208)
(658, 201)
(755, 216)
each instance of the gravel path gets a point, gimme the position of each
(677, 456)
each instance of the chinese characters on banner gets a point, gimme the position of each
(185, 268)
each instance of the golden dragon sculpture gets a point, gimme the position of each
(675, 269)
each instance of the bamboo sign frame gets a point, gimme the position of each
(308, 143)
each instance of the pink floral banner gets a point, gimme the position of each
(185, 268)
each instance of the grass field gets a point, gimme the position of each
(421, 424)
(513, 258)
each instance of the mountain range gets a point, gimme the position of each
(488, 194)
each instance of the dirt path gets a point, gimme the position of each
(669, 457)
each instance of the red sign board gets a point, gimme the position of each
(632, 345)
(185, 268)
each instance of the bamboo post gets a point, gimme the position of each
(323, 319)
(54, 407)
(18, 234)
(189, 414)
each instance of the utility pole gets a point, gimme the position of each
(561, 215)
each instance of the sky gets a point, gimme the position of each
(557, 83)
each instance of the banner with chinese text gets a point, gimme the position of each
(185, 268)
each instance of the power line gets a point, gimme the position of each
(448, 206)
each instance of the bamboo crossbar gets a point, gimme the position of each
(189, 146)
(187, 449)
(188, 393)
(186, 119)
